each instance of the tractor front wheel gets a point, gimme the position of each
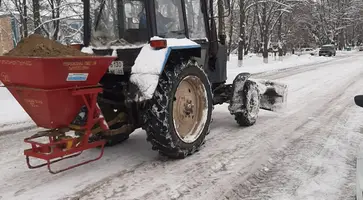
(251, 106)
(109, 113)
(180, 114)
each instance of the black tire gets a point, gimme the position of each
(109, 114)
(160, 119)
(112, 140)
(116, 139)
(251, 107)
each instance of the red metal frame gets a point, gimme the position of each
(65, 148)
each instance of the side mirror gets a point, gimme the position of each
(359, 100)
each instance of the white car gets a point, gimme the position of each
(306, 51)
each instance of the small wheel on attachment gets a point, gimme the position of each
(251, 106)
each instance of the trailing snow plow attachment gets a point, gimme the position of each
(52, 91)
(273, 94)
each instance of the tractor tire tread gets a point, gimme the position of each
(157, 125)
(243, 118)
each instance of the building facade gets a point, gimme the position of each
(8, 35)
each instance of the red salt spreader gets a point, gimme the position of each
(52, 91)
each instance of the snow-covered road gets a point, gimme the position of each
(306, 151)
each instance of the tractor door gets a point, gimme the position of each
(202, 29)
(182, 19)
(169, 19)
(191, 19)
(196, 23)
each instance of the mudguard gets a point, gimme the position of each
(237, 101)
(150, 64)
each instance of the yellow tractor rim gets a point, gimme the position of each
(190, 109)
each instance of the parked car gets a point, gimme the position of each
(327, 50)
(361, 48)
(305, 51)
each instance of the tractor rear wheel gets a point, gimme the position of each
(180, 114)
(251, 106)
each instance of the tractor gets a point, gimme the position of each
(170, 72)
(158, 65)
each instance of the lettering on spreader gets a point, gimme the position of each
(34, 102)
(79, 65)
(4, 77)
(16, 62)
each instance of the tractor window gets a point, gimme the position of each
(169, 18)
(115, 26)
(104, 21)
(196, 26)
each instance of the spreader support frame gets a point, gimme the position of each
(64, 147)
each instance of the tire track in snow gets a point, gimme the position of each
(231, 153)
(297, 165)
(300, 69)
(288, 132)
(8, 129)
(213, 171)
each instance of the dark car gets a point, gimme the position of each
(327, 50)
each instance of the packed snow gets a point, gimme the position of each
(88, 50)
(253, 64)
(305, 151)
(150, 63)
